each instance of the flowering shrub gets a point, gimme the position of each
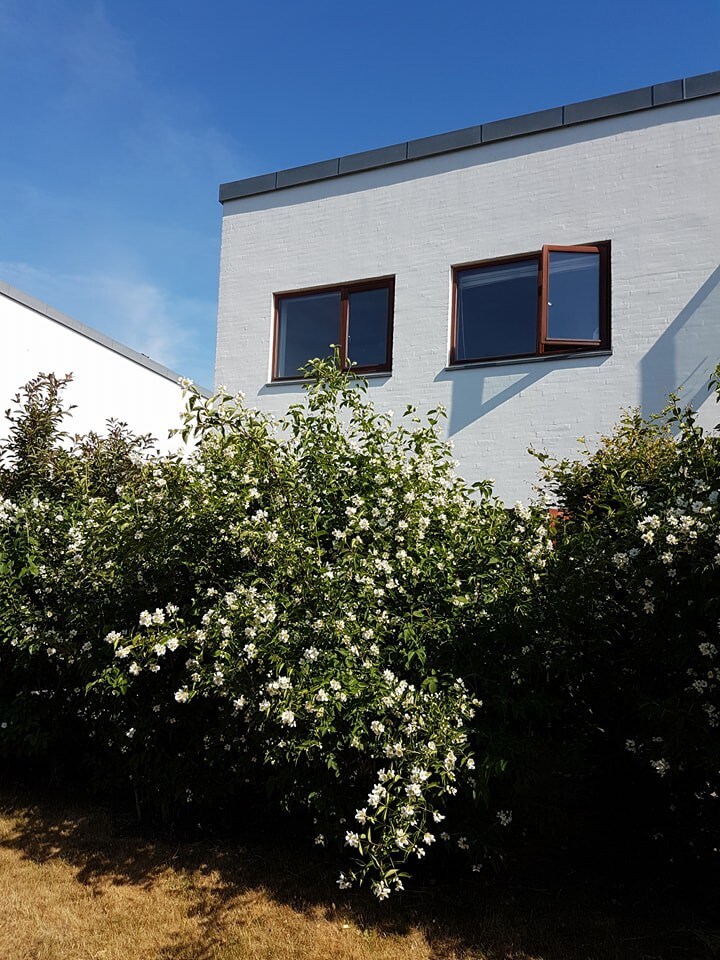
(636, 627)
(283, 604)
(319, 610)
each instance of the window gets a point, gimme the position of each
(355, 316)
(553, 301)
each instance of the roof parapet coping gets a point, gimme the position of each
(614, 105)
(64, 320)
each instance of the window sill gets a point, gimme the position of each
(386, 374)
(514, 361)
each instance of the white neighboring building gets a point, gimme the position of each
(468, 304)
(109, 379)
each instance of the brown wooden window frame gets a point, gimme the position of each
(345, 290)
(545, 346)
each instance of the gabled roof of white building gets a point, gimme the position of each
(52, 314)
(644, 98)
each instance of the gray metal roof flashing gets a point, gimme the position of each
(645, 98)
(52, 314)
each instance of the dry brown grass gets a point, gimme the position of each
(71, 888)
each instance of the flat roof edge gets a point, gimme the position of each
(91, 334)
(600, 108)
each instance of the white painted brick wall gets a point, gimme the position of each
(649, 182)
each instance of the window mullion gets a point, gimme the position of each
(344, 313)
(543, 293)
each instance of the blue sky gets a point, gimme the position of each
(120, 119)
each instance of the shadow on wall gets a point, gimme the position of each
(685, 355)
(475, 391)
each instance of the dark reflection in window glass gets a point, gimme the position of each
(574, 296)
(307, 327)
(497, 310)
(367, 327)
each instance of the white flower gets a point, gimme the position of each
(158, 616)
(361, 815)
(428, 838)
(505, 817)
(173, 643)
(377, 727)
(660, 766)
(438, 817)
(352, 839)
(343, 882)
(122, 652)
(287, 717)
(381, 890)
(376, 795)
(145, 619)
(182, 695)
(134, 668)
(160, 649)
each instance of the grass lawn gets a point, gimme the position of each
(73, 887)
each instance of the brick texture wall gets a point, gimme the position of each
(648, 182)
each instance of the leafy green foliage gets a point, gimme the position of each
(277, 605)
(319, 611)
(636, 576)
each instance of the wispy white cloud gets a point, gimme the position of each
(97, 58)
(124, 233)
(172, 330)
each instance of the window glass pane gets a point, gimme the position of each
(367, 327)
(306, 328)
(497, 310)
(574, 296)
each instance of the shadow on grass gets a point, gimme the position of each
(458, 917)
